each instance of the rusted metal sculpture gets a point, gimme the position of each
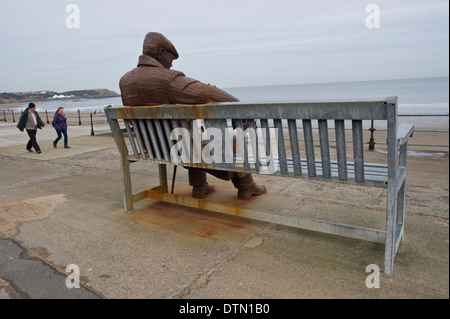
(152, 82)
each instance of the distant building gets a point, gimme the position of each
(62, 96)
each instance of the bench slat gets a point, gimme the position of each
(167, 130)
(156, 146)
(309, 146)
(196, 148)
(131, 138)
(341, 148)
(253, 141)
(350, 109)
(358, 152)
(162, 142)
(293, 137)
(324, 148)
(281, 147)
(186, 147)
(145, 147)
(138, 134)
(222, 126)
(241, 148)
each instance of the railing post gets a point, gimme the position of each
(4, 115)
(92, 126)
(79, 117)
(372, 140)
(14, 119)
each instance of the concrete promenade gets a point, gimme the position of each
(64, 207)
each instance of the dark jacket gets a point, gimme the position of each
(24, 117)
(59, 122)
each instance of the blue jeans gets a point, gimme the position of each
(64, 132)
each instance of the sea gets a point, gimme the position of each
(418, 96)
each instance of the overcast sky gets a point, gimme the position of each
(228, 43)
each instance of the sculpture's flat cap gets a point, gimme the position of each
(155, 40)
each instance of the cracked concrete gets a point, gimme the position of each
(202, 280)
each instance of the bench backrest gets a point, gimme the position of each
(289, 139)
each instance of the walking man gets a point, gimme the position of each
(30, 121)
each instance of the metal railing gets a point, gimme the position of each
(372, 130)
(99, 117)
(73, 118)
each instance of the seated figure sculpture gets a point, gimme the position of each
(152, 82)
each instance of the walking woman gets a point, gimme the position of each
(60, 125)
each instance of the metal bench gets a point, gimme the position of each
(267, 140)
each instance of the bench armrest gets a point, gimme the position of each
(403, 132)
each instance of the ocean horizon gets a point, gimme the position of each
(415, 96)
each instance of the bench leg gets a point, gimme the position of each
(401, 208)
(391, 223)
(402, 192)
(125, 165)
(163, 178)
(128, 195)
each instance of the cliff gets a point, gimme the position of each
(50, 95)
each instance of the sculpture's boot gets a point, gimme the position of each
(202, 191)
(247, 187)
(197, 179)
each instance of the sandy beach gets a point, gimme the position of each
(13, 105)
(65, 207)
